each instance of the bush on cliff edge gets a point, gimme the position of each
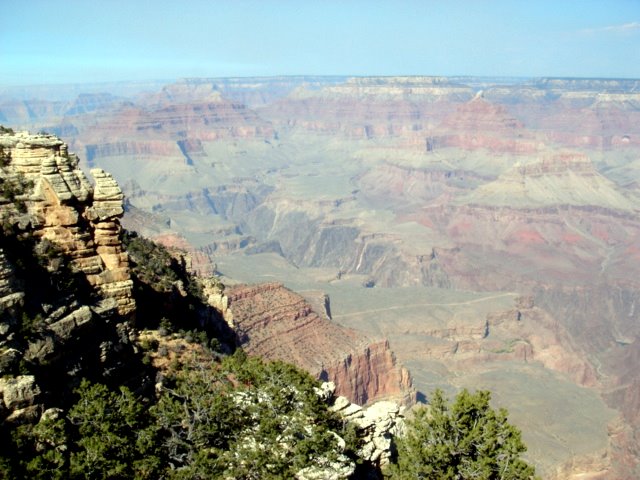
(465, 440)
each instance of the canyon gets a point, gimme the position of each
(476, 232)
(49, 205)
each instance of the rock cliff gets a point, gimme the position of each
(275, 323)
(64, 209)
(66, 299)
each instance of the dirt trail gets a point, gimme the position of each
(411, 305)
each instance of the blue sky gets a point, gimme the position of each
(65, 41)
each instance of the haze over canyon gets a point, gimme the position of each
(423, 232)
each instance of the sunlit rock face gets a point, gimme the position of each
(66, 293)
(65, 209)
(275, 323)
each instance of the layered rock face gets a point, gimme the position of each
(524, 333)
(565, 178)
(275, 323)
(370, 108)
(480, 124)
(172, 124)
(63, 208)
(66, 300)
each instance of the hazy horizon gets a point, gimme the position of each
(82, 42)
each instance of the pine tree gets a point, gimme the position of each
(467, 440)
(114, 439)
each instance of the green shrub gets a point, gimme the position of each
(465, 440)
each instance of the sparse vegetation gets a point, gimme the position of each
(152, 264)
(13, 187)
(5, 157)
(165, 288)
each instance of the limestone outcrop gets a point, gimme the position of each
(376, 424)
(19, 396)
(64, 209)
(66, 293)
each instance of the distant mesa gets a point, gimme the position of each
(555, 179)
(481, 124)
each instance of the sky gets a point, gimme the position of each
(80, 41)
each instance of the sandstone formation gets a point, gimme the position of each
(64, 209)
(66, 299)
(275, 323)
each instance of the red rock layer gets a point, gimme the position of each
(366, 375)
(170, 128)
(480, 124)
(276, 323)
(587, 242)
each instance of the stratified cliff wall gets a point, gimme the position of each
(275, 323)
(66, 300)
(65, 209)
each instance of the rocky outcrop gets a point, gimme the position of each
(19, 392)
(376, 425)
(66, 300)
(370, 373)
(64, 209)
(18, 398)
(104, 213)
(275, 323)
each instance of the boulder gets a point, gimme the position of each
(375, 425)
(19, 392)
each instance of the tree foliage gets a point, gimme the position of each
(465, 440)
(247, 419)
(105, 434)
(42, 448)
(114, 439)
(240, 418)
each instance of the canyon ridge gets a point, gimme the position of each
(423, 232)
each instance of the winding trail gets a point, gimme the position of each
(411, 305)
